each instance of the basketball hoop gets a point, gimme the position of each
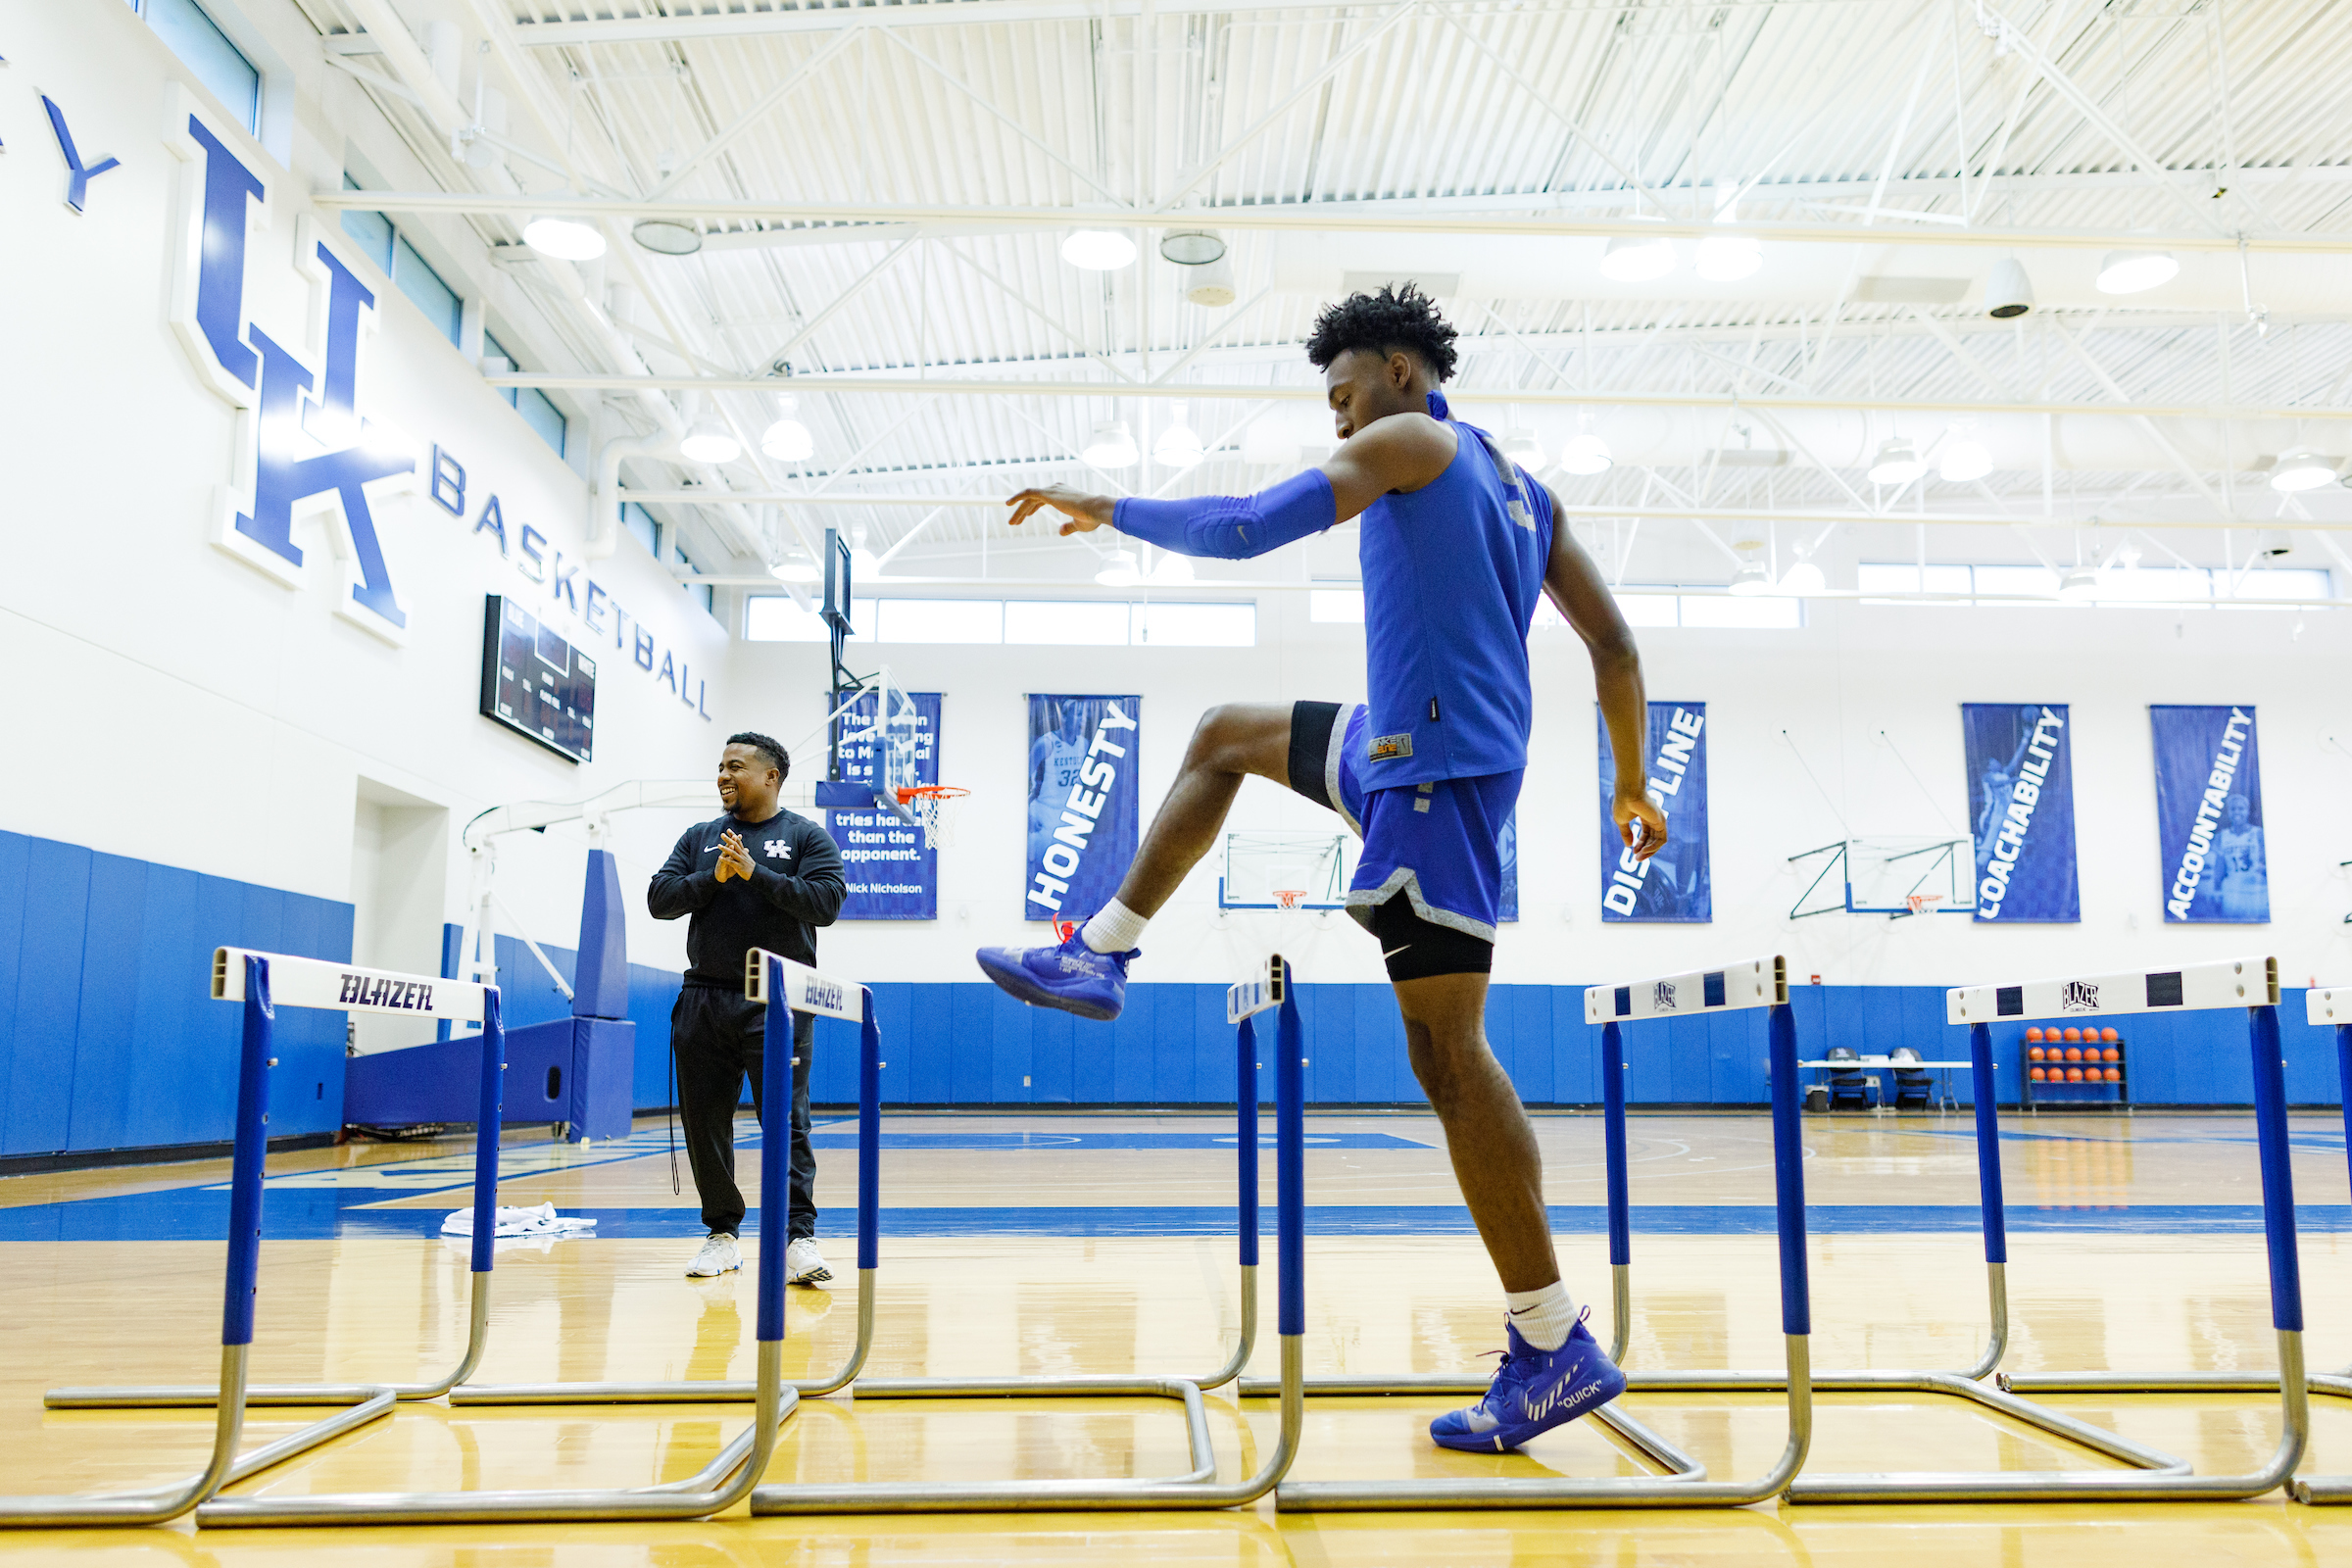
(1918, 902)
(1290, 898)
(935, 805)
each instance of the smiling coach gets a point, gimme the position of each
(757, 877)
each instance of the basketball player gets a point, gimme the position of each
(1456, 544)
(1055, 760)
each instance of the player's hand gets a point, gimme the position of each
(1640, 823)
(1086, 512)
(733, 859)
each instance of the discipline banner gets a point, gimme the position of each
(891, 874)
(2021, 803)
(2209, 814)
(1678, 882)
(1084, 813)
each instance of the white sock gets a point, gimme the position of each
(1542, 1317)
(1115, 928)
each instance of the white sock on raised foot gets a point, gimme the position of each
(1542, 1317)
(1115, 928)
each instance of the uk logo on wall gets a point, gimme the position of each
(303, 448)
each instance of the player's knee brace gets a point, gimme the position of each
(1416, 949)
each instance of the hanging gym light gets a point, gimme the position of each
(1632, 259)
(2134, 271)
(2301, 469)
(567, 239)
(1898, 463)
(787, 440)
(708, 440)
(1111, 446)
(1584, 453)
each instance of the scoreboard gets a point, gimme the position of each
(535, 683)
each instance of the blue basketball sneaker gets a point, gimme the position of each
(1073, 977)
(1533, 1392)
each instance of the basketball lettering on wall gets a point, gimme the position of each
(1083, 797)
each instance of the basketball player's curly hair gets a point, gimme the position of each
(1395, 319)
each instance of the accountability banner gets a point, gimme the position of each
(2209, 814)
(2021, 799)
(1678, 882)
(891, 874)
(1082, 802)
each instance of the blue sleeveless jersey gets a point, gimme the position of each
(1451, 573)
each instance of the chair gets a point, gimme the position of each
(1847, 1083)
(1911, 1086)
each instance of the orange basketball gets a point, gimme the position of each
(2037, 1074)
(2115, 1075)
(2110, 1035)
(2111, 1054)
(2073, 1035)
(2074, 1052)
(2033, 1052)
(2074, 1075)
(2032, 1035)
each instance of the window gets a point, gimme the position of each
(1731, 611)
(538, 411)
(940, 621)
(1026, 622)
(1189, 625)
(1066, 623)
(1341, 604)
(2119, 587)
(409, 272)
(205, 50)
(644, 530)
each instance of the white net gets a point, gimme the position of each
(936, 806)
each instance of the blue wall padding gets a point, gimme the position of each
(109, 1037)
(602, 986)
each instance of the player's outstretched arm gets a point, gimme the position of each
(1402, 452)
(1576, 586)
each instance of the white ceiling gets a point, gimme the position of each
(884, 190)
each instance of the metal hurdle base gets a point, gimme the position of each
(707, 1491)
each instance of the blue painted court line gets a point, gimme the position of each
(318, 1213)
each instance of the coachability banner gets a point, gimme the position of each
(1678, 882)
(891, 874)
(2209, 814)
(1082, 802)
(2021, 804)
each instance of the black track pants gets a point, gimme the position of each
(716, 1035)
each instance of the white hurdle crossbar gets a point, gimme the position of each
(264, 982)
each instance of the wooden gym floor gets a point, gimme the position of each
(1097, 1244)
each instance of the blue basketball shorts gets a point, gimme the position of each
(1438, 844)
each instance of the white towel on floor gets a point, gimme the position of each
(540, 1221)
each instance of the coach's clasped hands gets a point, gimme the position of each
(733, 859)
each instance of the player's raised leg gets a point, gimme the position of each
(1088, 974)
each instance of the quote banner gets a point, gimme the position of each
(892, 873)
(1083, 793)
(2209, 814)
(1677, 883)
(2021, 804)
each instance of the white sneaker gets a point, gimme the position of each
(719, 1255)
(804, 1264)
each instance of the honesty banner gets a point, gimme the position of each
(891, 874)
(2021, 801)
(2209, 814)
(1083, 803)
(1678, 882)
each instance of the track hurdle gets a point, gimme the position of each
(869, 1112)
(741, 1390)
(2330, 1007)
(1755, 983)
(347, 988)
(786, 987)
(1199, 1487)
(2253, 985)
(264, 982)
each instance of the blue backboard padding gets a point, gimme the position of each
(603, 982)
